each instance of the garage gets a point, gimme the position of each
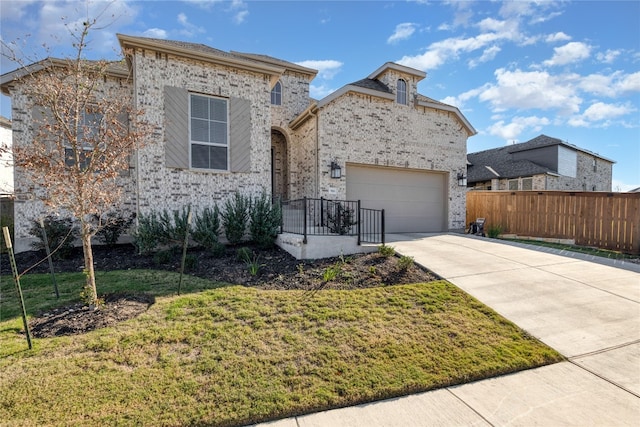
(413, 200)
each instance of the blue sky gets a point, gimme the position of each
(567, 69)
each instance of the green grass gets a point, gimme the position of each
(235, 355)
(604, 253)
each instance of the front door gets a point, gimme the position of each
(279, 170)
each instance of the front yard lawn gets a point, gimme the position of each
(232, 355)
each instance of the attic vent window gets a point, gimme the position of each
(401, 92)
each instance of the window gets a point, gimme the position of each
(208, 132)
(527, 183)
(87, 136)
(513, 184)
(276, 94)
(401, 92)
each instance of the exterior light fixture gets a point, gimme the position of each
(462, 179)
(336, 170)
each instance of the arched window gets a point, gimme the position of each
(401, 92)
(276, 94)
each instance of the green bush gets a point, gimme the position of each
(265, 221)
(115, 224)
(174, 225)
(340, 219)
(149, 234)
(494, 231)
(405, 262)
(207, 228)
(244, 254)
(235, 218)
(61, 233)
(386, 251)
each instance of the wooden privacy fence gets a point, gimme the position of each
(604, 220)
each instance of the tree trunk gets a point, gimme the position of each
(90, 288)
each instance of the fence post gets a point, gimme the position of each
(16, 280)
(304, 221)
(382, 226)
(321, 211)
(359, 225)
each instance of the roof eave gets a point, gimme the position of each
(397, 67)
(444, 107)
(357, 89)
(261, 67)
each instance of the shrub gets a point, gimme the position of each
(61, 233)
(405, 262)
(244, 254)
(149, 234)
(331, 272)
(265, 221)
(115, 224)
(386, 251)
(494, 231)
(163, 257)
(235, 217)
(340, 219)
(207, 228)
(174, 226)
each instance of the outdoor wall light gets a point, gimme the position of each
(336, 170)
(462, 179)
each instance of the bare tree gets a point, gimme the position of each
(84, 131)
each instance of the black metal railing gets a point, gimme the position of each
(325, 217)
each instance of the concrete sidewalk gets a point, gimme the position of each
(589, 312)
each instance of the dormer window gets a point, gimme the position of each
(401, 92)
(276, 94)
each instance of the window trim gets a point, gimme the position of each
(278, 93)
(516, 181)
(403, 91)
(207, 143)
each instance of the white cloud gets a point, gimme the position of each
(403, 31)
(240, 17)
(569, 53)
(319, 92)
(557, 37)
(188, 29)
(511, 131)
(488, 55)
(327, 69)
(629, 83)
(609, 56)
(155, 33)
(602, 111)
(612, 85)
(532, 89)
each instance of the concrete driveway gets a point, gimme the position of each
(587, 311)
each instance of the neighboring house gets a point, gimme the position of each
(6, 165)
(230, 121)
(543, 163)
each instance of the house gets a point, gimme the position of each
(542, 163)
(232, 121)
(6, 166)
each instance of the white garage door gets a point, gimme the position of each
(414, 201)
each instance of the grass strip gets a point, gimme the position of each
(235, 355)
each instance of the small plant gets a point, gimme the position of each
(265, 221)
(163, 257)
(301, 268)
(207, 228)
(218, 250)
(405, 262)
(113, 226)
(494, 231)
(253, 264)
(372, 270)
(244, 254)
(235, 217)
(61, 233)
(331, 272)
(340, 219)
(386, 251)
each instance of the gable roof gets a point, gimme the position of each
(116, 69)
(499, 163)
(201, 52)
